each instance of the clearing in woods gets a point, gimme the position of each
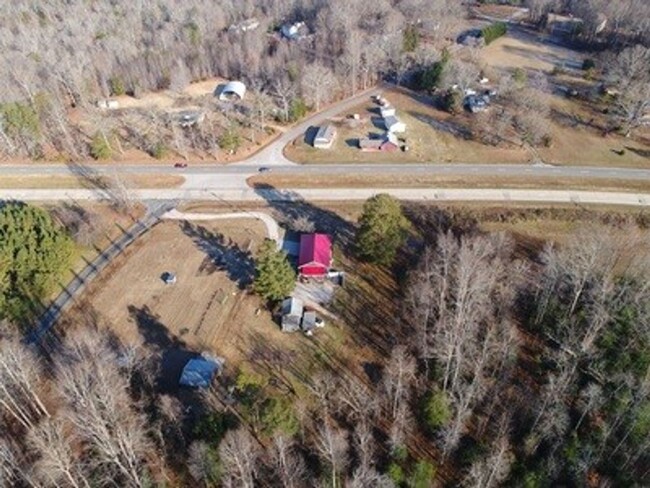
(207, 309)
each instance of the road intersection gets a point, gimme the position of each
(210, 181)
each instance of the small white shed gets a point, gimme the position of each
(232, 91)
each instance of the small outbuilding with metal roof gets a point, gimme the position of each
(325, 136)
(233, 90)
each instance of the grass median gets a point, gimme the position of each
(76, 182)
(363, 180)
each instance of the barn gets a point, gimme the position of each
(315, 257)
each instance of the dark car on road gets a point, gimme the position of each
(264, 169)
(180, 165)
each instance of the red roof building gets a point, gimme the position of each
(315, 257)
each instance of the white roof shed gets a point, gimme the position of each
(233, 89)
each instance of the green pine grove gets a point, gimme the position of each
(34, 252)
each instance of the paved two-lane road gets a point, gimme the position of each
(457, 169)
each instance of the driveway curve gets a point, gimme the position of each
(272, 228)
(273, 154)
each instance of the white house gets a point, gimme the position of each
(108, 104)
(294, 31)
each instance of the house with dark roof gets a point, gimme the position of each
(388, 142)
(315, 255)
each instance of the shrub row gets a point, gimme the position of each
(494, 31)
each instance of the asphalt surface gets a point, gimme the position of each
(346, 194)
(460, 169)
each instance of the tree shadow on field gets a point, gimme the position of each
(274, 362)
(644, 153)
(222, 255)
(289, 206)
(174, 353)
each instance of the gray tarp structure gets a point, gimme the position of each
(198, 372)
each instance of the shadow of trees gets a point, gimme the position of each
(222, 254)
(644, 153)
(173, 352)
(289, 207)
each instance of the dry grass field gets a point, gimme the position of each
(207, 309)
(528, 51)
(366, 180)
(436, 136)
(577, 126)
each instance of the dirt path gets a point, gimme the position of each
(272, 228)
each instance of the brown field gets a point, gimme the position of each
(577, 126)
(362, 180)
(110, 225)
(131, 181)
(577, 135)
(170, 98)
(528, 51)
(497, 11)
(206, 309)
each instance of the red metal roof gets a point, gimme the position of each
(315, 249)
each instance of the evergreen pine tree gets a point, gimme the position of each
(382, 229)
(274, 276)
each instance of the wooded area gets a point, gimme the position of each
(64, 59)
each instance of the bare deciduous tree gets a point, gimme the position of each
(399, 375)
(98, 407)
(319, 84)
(494, 469)
(239, 453)
(287, 463)
(332, 445)
(20, 378)
(203, 464)
(629, 72)
(59, 462)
